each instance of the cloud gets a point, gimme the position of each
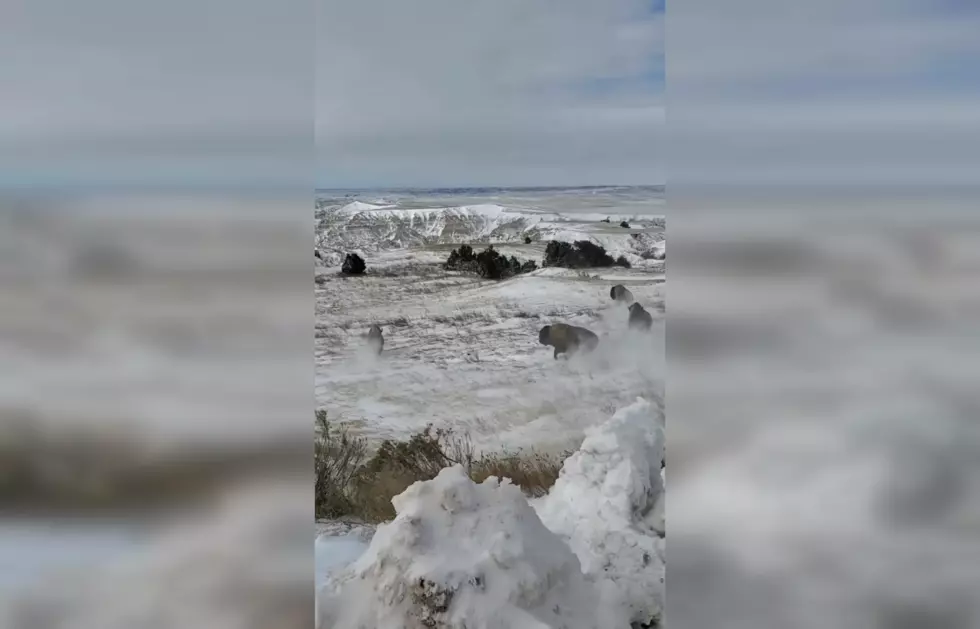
(111, 91)
(872, 92)
(508, 92)
(423, 92)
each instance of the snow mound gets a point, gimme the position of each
(608, 505)
(461, 554)
(357, 207)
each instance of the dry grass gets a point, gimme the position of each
(534, 472)
(338, 459)
(349, 485)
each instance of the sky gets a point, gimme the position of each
(333, 93)
(509, 92)
(832, 94)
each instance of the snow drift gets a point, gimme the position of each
(461, 554)
(608, 505)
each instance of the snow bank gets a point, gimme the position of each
(590, 554)
(462, 554)
(608, 506)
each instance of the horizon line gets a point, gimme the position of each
(492, 187)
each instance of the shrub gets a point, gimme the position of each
(337, 459)
(461, 259)
(623, 262)
(489, 263)
(582, 254)
(353, 265)
(625, 224)
(527, 240)
(492, 265)
(348, 486)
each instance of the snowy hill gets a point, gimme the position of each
(366, 226)
(369, 227)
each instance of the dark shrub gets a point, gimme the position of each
(583, 254)
(353, 264)
(594, 254)
(623, 262)
(625, 224)
(461, 259)
(488, 264)
(529, 266)
(527, 240)
(494, 266)
(557, 253)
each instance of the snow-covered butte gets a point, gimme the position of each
(373, 227)
(356, 207)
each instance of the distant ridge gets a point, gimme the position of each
(491, 189)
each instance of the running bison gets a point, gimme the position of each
(621, 294)
(567, 339)
(640, 319)
(376, 339)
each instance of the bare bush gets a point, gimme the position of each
(338, 458)
(347, 486)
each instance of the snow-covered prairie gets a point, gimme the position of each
(463, 352)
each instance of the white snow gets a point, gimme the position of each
(333, 552)
(433, 323)
(463, 352)
(374, 227)
(461, 554)
(608, 505)
(356, 207)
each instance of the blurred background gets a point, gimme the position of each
(155, 314)
(822, 346)
(155, 309)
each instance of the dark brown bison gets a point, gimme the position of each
(567, 339)
(621, 294)
(640, 319)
